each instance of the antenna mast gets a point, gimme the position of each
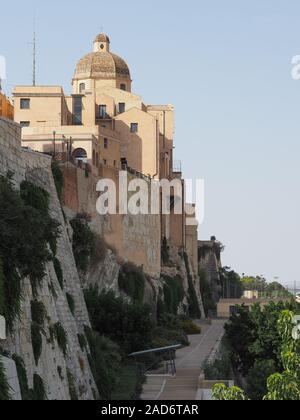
(34, 60)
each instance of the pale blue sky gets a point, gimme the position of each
(226, 66)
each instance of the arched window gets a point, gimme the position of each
(82, 87)
(80, 155)
(123, 86)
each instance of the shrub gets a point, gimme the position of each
(4, 387)
(169, 337)
(258, 377)
(25, 231)
(2, 279)
(105, 363)
(38, 312)
(61, 337)
(83, 243)
(190, 328)
(26, 393)
(129, 384)
(165, 251)
(174, 293)
(82, 341)
(59, 272)
(39, 388)
(58, 179)
(129, 325)
(39, 199)
(37, 341)
(52, 290)
(98, 251)
(72, 386)
(71, 303)
(132, 282)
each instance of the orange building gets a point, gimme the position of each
(6, 108)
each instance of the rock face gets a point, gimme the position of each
(210, 263)
(59, 372)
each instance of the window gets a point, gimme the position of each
(123, 86)
(115, 163)
(77, 110)
(105, 161)
(134, 128)
(122, 107)
(82, 87)
(105, 143)
(102, 112)
(24, 124)
(25, 103)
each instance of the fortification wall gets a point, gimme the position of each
(135, 239)
(53, 367)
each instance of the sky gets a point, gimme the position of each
(226, 67)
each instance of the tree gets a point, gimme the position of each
(223, 393)
(286, 386)
(258, 377)
(283, 386)
(241, 334)
(231, 283)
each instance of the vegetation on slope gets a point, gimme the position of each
(121, 328)
(26, 230)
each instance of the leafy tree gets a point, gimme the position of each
(286, 386)
(231, 284)
(129, 325)
(241, 335)
(223, 393)
(257, 379)
(283, 386)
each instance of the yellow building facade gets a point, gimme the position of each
(106, 126)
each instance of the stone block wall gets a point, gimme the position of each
(53, 367)
(12, 378)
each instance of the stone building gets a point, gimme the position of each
(106, 127)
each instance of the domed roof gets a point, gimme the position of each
(102, 64)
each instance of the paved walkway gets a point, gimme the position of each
(189, 360)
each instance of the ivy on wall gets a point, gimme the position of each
(132, 282)
(26, 230)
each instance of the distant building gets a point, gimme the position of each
(251, 294)
(227, 307)
(6, 108)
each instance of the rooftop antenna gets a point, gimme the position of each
(34, 59)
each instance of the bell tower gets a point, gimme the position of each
(101, 43)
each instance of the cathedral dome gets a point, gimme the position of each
(102, 64)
